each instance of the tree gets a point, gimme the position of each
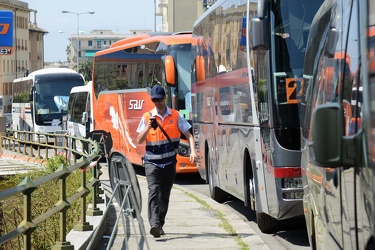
(85, 68)
(68, 52)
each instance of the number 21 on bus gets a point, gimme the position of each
(294, 90)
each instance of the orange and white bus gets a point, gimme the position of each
(110, 107)
(122, 78)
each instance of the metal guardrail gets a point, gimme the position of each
(20, 142)
(88, 160)
(129, 210)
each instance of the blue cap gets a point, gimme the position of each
(157, 92)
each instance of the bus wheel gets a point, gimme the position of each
(215, 192)
(267, 223)
(120, 169)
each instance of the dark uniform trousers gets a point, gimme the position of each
(160, 182)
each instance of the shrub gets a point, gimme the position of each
(43, 199)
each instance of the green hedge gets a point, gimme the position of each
(43, 199)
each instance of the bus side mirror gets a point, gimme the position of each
(327, 131)
(199, 68)
(259, 33)
(331, 148)
(32, 90)
(330, 48)
(262, 8)
(170, 70)
(85, 117)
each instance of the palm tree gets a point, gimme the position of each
(85, 68)
(67, 51)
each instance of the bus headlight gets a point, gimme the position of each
(184, 149)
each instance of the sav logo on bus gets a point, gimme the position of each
(136, 104)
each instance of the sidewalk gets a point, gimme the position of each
(194, 221)
(11, 163)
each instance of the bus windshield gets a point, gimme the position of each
(290, 25)
(52, 97)
(127, 69)
(182, 94)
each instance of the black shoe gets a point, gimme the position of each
(162, 231)
(155, 231)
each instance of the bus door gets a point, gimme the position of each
(80, 115)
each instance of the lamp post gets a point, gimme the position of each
(70, 12)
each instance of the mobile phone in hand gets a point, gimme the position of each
(154, 123)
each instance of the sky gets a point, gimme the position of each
(116, 15)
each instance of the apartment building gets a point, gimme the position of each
(89, 44)
(27, 52)
(179, 15)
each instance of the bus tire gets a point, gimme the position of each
(216, 193)
(267, 223)
(119, 168)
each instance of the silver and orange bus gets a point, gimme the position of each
(247, 74)
(338, 127)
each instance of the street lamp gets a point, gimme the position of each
(70, 12)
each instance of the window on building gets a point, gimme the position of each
(90, 42)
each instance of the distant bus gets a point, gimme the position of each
(246, 122)
(40, 100)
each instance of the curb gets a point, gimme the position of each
(81, 239)
(25, 158)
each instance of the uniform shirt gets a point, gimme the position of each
(183, 125)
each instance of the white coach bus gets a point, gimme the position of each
(40, 100)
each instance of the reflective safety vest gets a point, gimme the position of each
(158, 148)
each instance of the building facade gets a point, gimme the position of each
(89, 44)
(179, 15)
(27, 53)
